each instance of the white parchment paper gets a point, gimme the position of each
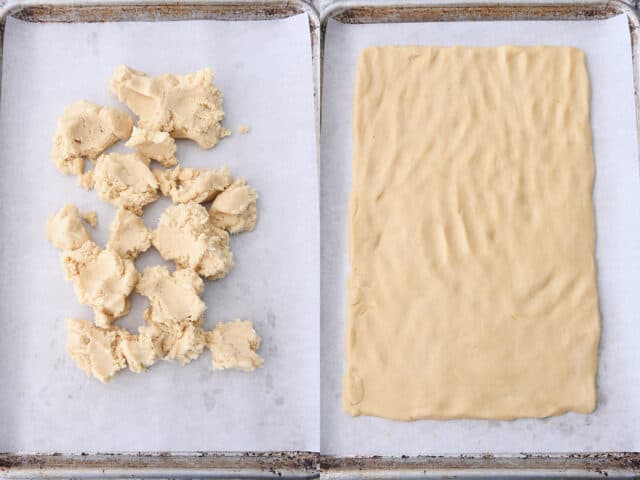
(47, 404)
(616, 423)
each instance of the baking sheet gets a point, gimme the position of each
(264, 69)
(615, 424)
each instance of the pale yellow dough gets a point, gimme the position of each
(91, 218)
(158, 146)
(233, 345)
(235, 210)
(85, 130)
(125, 180)
(94, 349)
(186, 106)
(128, 234)
(186, 236)
(65, 229)
(472, 291)
(173, 297)
(102, 279)
(192, 184)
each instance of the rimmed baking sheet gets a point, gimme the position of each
(265, 70)
(614, 426)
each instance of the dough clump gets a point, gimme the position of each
(235, 210)
(65, 229)
(192, 184)
(158, 146)
(91, 218)
(186, 106)
(187, 237)
(102, 279)
(125, 180)
(128, 234)
(233, 345)
(85, 130)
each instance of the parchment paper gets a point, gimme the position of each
(47, 403)
(615, 424)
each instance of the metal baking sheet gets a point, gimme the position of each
(607, 32)
(265, 59)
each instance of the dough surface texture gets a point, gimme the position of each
(235, 209)
(233, 345)
(186, 237)
(472, 290)
(186, 106)
(128, 234)
(125, 180)
(85, 130)
(158, 146)
(192, 184)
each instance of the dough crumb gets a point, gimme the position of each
(186, 106)
(91, 218)
(65, 229)
(86, 180)
(235, 209)
(128, 234)
(191, 184)
(173, 297)
(85, 130)
(156, 145)
(233, 345)
(243, 129)
(186, 236)
(94, 349)
(102, 279)
(125, 180)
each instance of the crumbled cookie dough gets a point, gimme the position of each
(85, 130)
(128, 234)
(102, 279)
(86, 180)
(94, 349)
(186, 106)
(65, 229)
(243, 129)
(186, 236)
(125, 180)
(140, 351)
(235, 209)
(192, 184)
(234, 345)
(158, 146)
(91, 218)
(183, 341)
(173, 297)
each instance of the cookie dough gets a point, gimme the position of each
(186, 106)
(91, 218)
(182, 341)
(85, 130)
(243, 129)
(139, 351)
(158, 146)
(187, 237)
(472, 291)
(233, 345)
(128, 234)
(173, 297)
(94, 349)
(125, 180)
(65, 229)
(234, 210)
(192, 184)
(102, 279)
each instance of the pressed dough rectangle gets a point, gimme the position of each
(472, 291)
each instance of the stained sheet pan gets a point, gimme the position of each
(608, 32)
(265, 58)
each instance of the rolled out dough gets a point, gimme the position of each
(472, 291)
